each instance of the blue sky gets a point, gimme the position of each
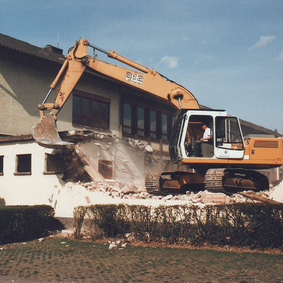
(229, 54)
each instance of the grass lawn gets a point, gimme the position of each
(64, 260)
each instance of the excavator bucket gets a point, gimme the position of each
(45, 134)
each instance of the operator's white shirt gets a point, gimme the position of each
(206, 134)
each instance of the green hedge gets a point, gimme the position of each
(24, 223)
(241, 225)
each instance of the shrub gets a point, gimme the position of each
(245, 224)
(24, 223)
(2, 202)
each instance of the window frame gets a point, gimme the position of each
(153, 132)
(18, 160)
(1, 165)
(50, 159)
(170, 122)
(77, 119)
(129, 127)
(141, 131)
(135, 131)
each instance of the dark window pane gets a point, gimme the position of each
(76, 120)
(76, 105)
(24, 163)
(104, 125)
(54, 163)
(152, 120)
(164, 124)
(104, 111)
(85, 107)
(95, 123)
(127, 130)
(1, 164)
(85, 122)
(127, 119)
(152, 126)
(140, 121)
(140, 118)
(95, 109)
(90, 112)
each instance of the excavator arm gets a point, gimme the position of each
(139, 77)
(226, 164)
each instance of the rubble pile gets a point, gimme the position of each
(72, 195)
(136, 190)
(276, 193)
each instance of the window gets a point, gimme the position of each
(127, 118)
(141, 121)
(1, 165)
(164, 126)
(54, 164)
(91, 110)
(228, 132)
(146, 120)
(23, 164)
(152, 124)
(105, 168)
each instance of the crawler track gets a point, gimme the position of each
(215, 180)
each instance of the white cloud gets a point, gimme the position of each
(264, 40)
(170, 61)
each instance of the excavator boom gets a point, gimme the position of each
(226, 158)
(78, 60)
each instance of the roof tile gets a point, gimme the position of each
(24, 47)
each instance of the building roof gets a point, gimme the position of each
(24, 47)
(55, 54)
(7, 138)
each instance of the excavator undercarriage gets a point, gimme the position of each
(214, 180)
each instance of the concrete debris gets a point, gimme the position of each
(114, 192)
(112, 246)
(215, 198)
(117, 245)
(137, 144)
(168, 197)
(134, 186)
(135, 189)
(259, 197)
(276, 193)
(67, 233)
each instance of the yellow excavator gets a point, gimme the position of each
(225, 160)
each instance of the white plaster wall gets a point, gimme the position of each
(36, 188)
(23, 85)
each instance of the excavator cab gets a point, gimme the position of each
(225, 140)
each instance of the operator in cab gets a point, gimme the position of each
(206, 138)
